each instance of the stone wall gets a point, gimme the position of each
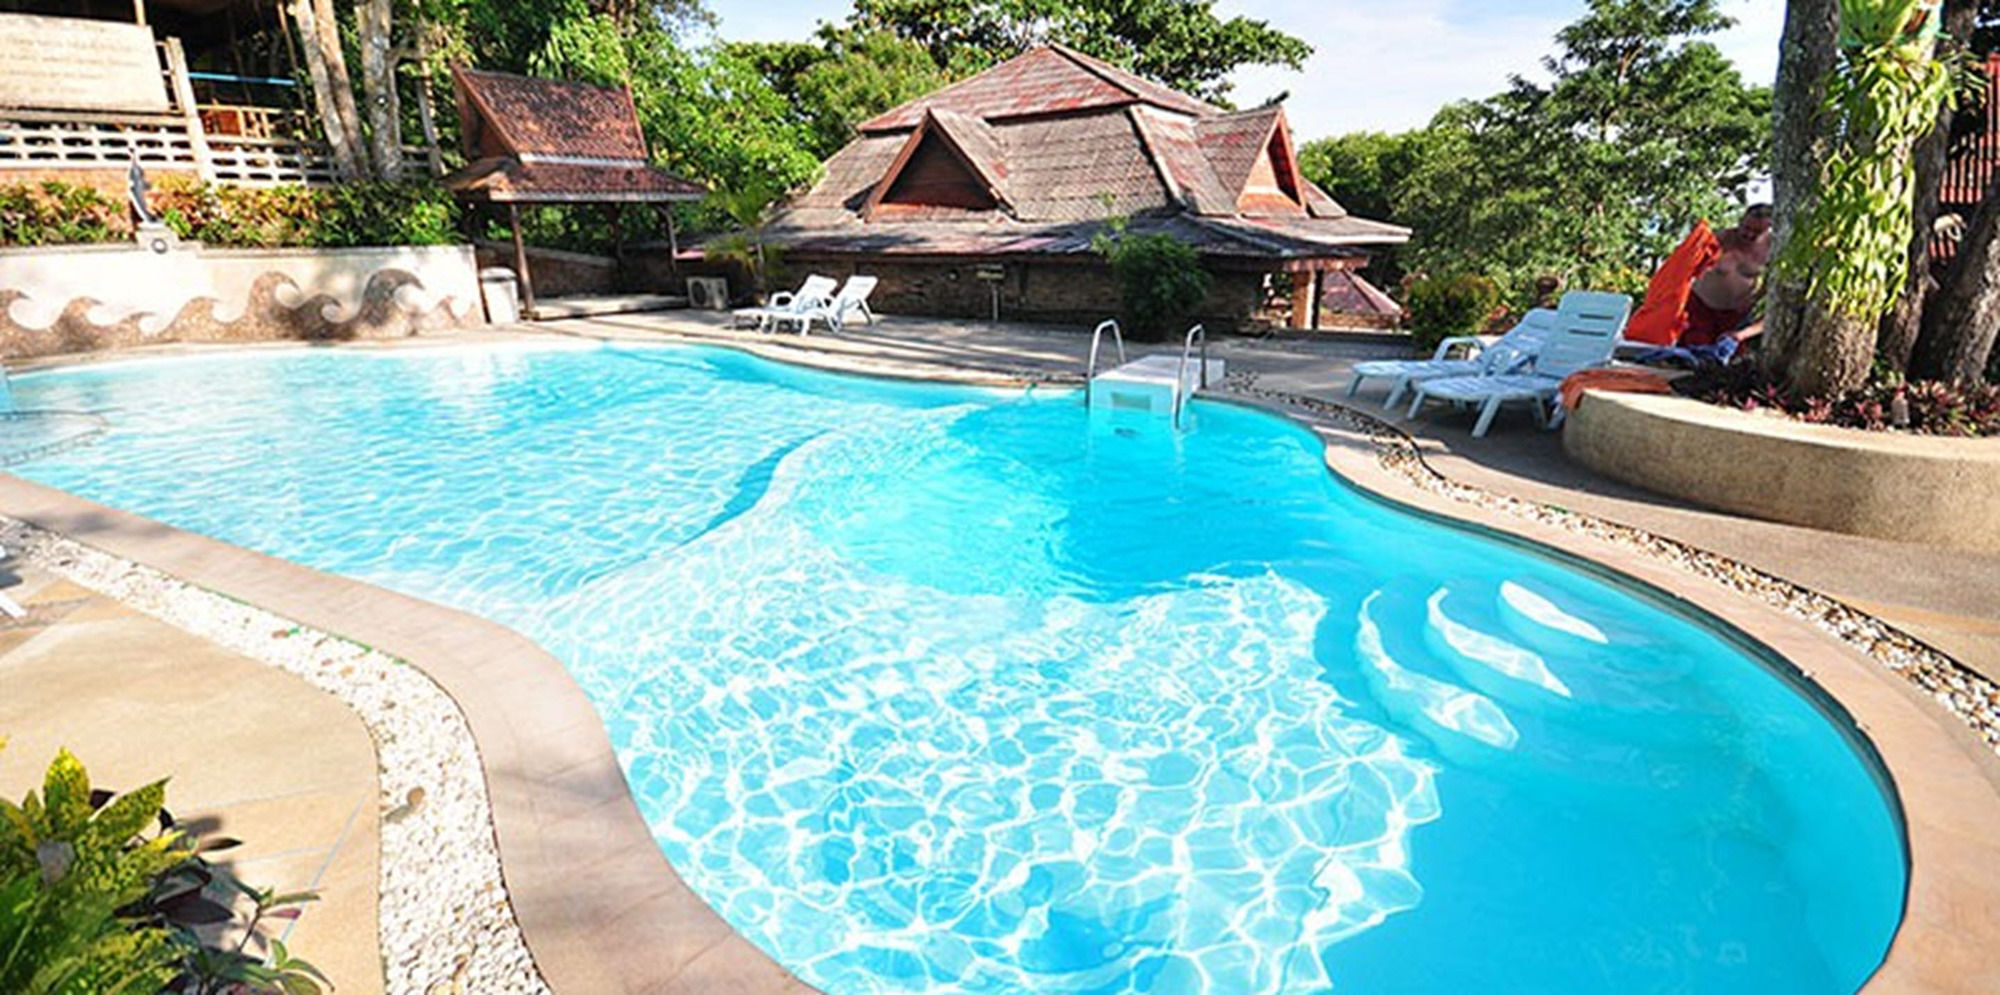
(62, 299)
(558, 273)
(1925, 489)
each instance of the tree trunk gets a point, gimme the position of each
(1898, 335)
(341, 81)
(1964, 316)
(344, 142)
(378, 83)
(1806, 57)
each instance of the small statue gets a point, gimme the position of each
(151, 233)
(138, 189)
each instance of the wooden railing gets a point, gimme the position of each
(176, 141)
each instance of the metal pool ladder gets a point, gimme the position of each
(1158, 385)
(1096, 341)
(1180, 374)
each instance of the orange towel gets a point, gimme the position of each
(1663, 317)
(1626, 380)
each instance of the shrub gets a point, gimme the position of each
(350, 215)
(1441, 307)
(1927, 407)
(101, 893)
(1160, 281)
(57, 213)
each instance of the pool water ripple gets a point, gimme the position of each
(941, 689)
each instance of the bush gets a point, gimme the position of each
(57, 213)
(1928, 407)
(100, 893)
(1441, 307)
(355, 214)
(1160, 281)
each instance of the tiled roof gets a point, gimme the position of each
(1067, 143)
(550, 141)
(502, 179)
(1047, 80)
(552, 117)
(1345, 292)
(1222, 240)
(1234, 142)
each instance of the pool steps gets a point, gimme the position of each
(1159, 386)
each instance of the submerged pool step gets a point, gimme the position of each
(1155, 385)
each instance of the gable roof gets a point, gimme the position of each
(971, 145)
(1051, 79)
(546, 140)
(524, 114)
(1235, 142)
(1059, 143)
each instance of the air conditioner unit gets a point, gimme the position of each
(708, 293)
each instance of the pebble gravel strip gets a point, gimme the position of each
(1967, 694)
(447, 927)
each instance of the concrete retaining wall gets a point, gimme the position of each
(61, 299)
(1937, 491)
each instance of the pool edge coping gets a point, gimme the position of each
(554, 770)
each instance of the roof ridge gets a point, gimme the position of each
(1124, 79)
(1176, 191)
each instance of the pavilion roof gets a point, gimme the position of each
(553, 141)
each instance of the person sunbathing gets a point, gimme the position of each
(1724, 297)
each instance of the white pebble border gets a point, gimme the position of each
(1967, 694)
(446, 925)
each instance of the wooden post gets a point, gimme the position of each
(521, 263)
(1302, 288)
(177, 67)
(673, 244)
(1319, 296)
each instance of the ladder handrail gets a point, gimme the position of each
(1180, 375)
(1097, 340)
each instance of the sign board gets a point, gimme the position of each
(988, 272)
(73, 64)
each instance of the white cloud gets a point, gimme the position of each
(1390, 67)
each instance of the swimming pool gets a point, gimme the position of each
(933, 688)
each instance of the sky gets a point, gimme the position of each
(1377, 66)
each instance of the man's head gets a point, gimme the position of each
(1756, 220)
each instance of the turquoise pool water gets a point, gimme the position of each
(932, 688)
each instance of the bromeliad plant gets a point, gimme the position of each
(104, 895)
(1851, 245)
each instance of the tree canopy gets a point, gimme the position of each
(1640, 128)
(1181, 43)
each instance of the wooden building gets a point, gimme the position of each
(991, 191)
(208, 87)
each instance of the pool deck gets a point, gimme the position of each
(251, 753)
(585, 877)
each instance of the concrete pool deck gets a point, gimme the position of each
(585, 876)
(138, 700)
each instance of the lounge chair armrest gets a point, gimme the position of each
(1473, 344)
(782, 298)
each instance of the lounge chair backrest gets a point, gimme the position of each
(1588, 325)
(816, 291)
(858, 288)
(1521, 343)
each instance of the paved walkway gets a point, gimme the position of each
(251, 752)
(1947, 598)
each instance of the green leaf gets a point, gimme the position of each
(66, 795)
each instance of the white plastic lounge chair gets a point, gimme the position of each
(1485, 355)
(8, 606)
(852, 299)
(789, 304)
(1588, 326)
